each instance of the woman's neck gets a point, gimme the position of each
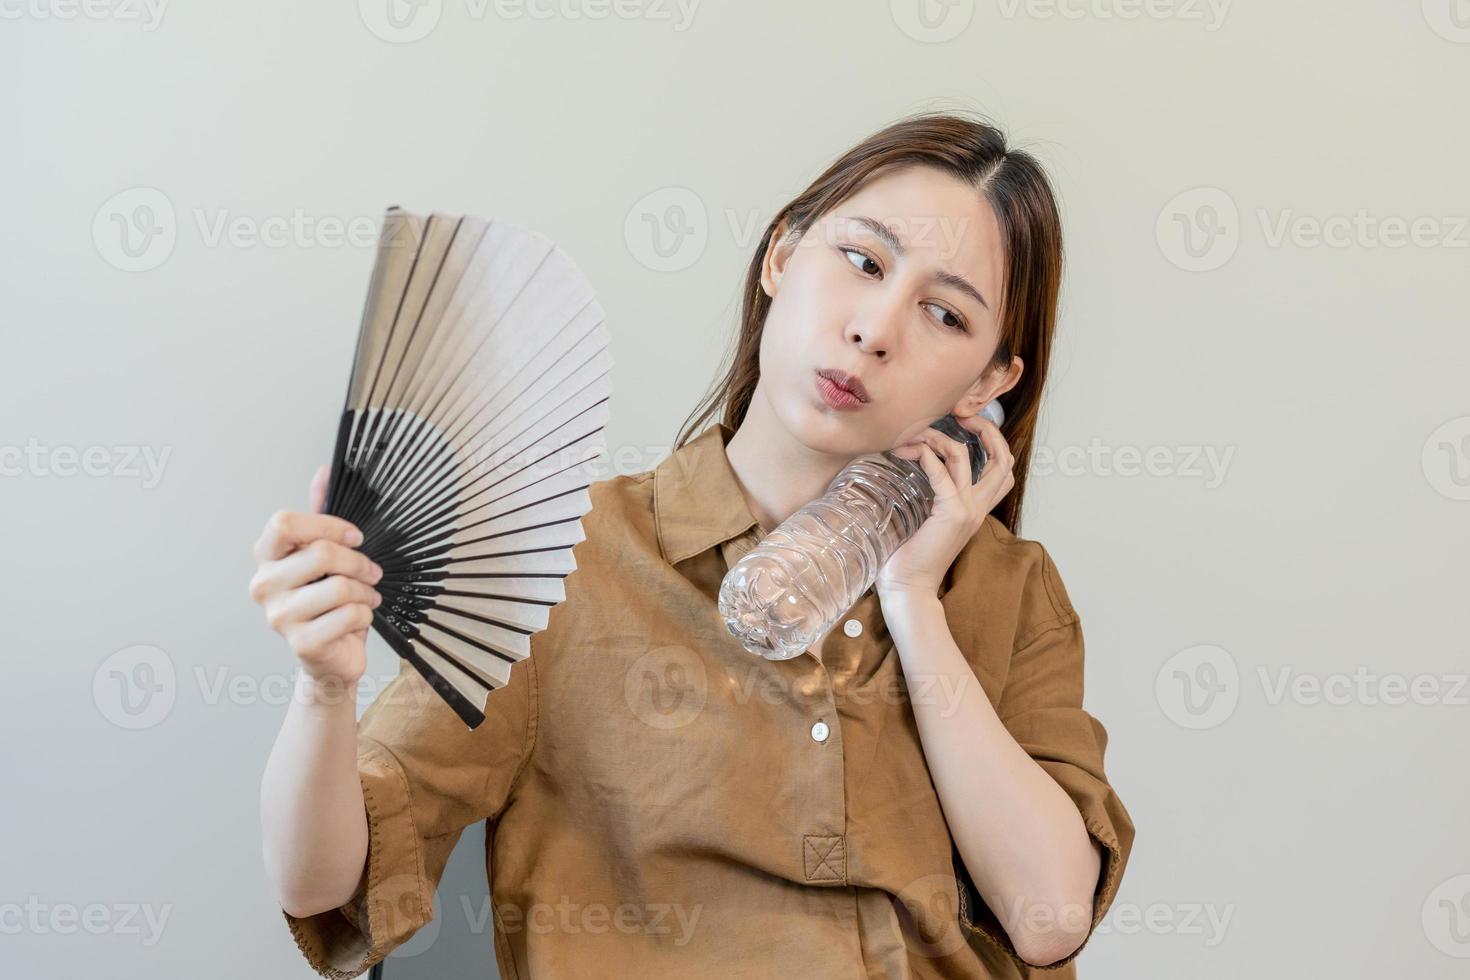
(777, 474)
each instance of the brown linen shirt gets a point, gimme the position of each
(658, 802)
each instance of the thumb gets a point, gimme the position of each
(317, 494)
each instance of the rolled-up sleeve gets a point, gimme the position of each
(425, 777)
(1041, 706)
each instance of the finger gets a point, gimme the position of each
(936, 442)
(329, 627)
(310, 601)
(288, 530)
(954, 453)
(997, 450)
(316, 560)
(934, 469)
(317, 494)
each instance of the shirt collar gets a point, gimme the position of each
(697, 500)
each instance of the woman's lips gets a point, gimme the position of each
(837, 396)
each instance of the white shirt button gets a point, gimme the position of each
(852, 628)
(820, 731)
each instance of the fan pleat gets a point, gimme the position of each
(475, 416)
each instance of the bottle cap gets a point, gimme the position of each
(951, 427)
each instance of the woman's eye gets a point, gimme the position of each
(869, 266)
(863, 260)
(948, 318)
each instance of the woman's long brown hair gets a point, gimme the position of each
(1013, 182)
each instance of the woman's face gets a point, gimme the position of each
(900, 285)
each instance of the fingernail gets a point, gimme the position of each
(377, 571)
(377, 599)
(354, 537)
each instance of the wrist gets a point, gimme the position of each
(897, 603)
(325, 690)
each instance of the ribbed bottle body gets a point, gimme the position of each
(794, 585)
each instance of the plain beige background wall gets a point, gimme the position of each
(1255, 474)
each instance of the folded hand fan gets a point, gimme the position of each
(475, 414)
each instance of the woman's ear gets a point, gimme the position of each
(990, 386)
(778, 252)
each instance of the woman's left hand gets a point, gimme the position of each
(919, 565)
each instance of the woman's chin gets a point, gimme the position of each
(830, 432)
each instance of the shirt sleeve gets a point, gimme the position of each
(1041, 706)
(425, 777)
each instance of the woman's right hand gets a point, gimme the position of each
(316, 588)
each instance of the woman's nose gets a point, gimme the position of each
(875, 332)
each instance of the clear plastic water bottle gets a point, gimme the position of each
(802, 577)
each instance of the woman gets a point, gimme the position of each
(920, 794)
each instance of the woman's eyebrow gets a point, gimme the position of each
(944, 276)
